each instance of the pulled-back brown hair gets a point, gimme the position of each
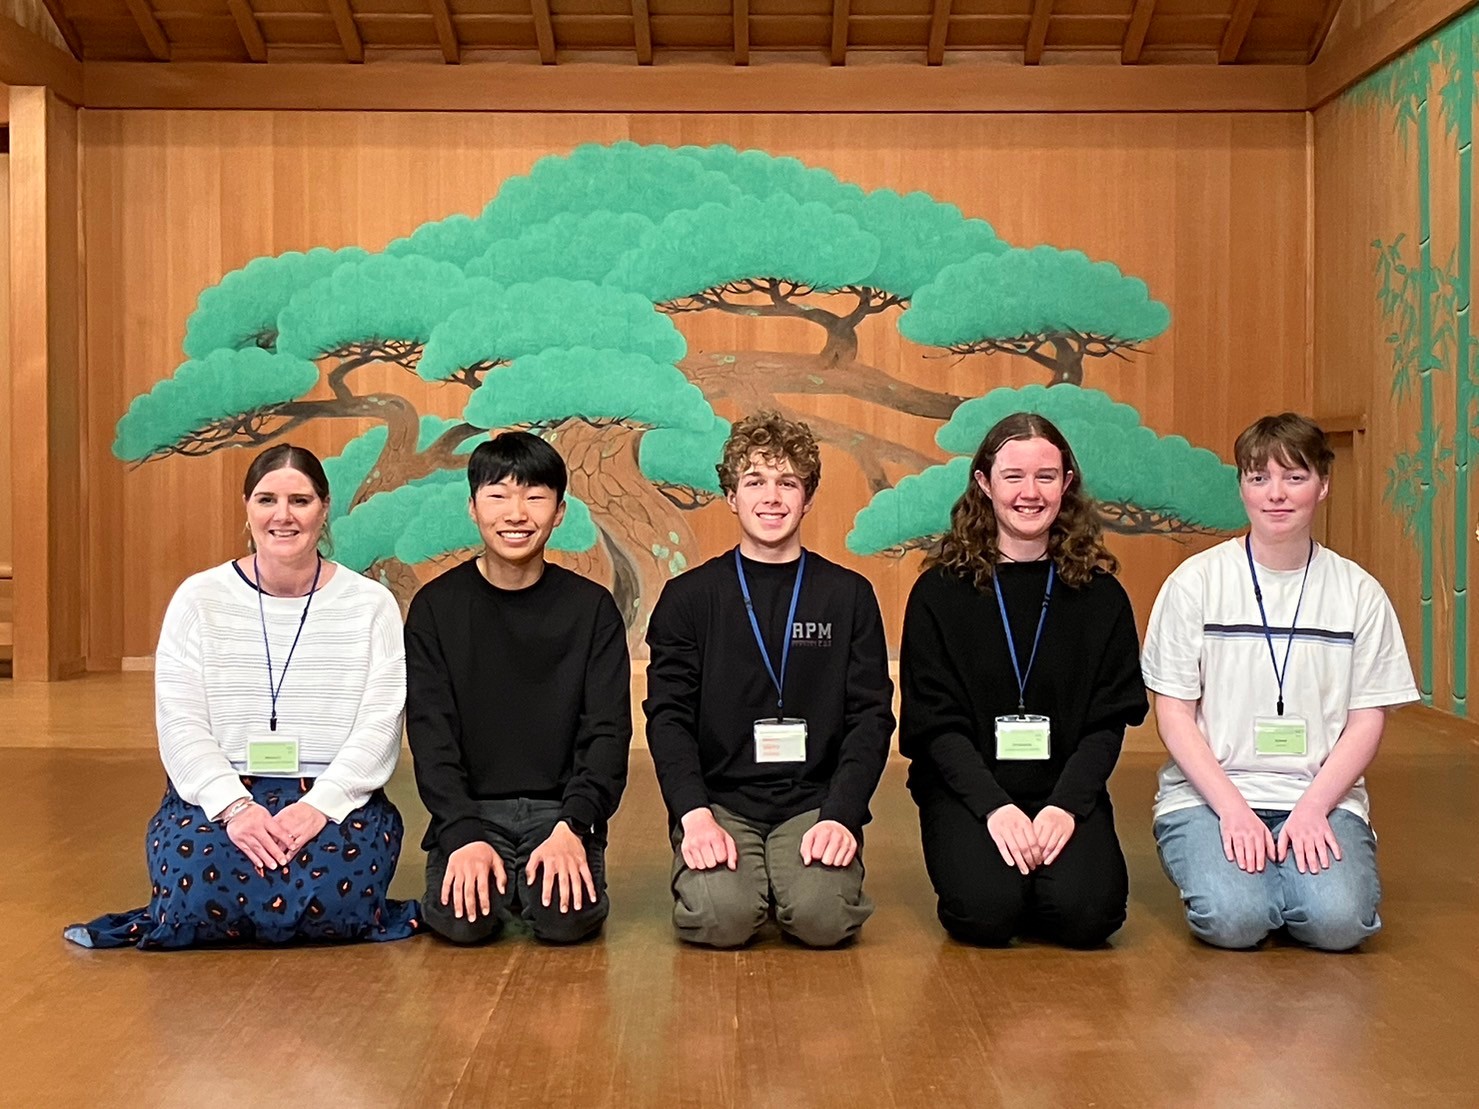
(777, 439)
(1075, 538)
(290, 456)
(1293, 441)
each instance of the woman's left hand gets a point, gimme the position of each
(1054, 828)
(302, 822)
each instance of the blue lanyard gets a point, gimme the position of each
(276, 688)
(1042, 619)
(779, 681)
(1268, 634)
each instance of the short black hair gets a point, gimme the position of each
(525, 458)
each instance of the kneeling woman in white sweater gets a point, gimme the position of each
(280, 685)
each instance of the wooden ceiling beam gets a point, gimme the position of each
(1377, 41)
(1134, 44)
(354, 46)
(1037, 31)
(1322, 30)
(28, 59)
(841, 13)
(939, 32)
(65, 27)
(441, 16)
(741, 32)
(149, 27)
(544, 31)
(251, 30)
(1237, 30)
(642, 31)
(696, 87)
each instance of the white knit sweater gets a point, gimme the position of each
(343, 698)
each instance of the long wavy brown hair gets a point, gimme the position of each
(1075, 538)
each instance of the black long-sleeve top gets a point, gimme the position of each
(516, 693)
(956, 678)
(707, 685)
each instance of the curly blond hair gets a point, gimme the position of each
(777, 440)
(1075, 538)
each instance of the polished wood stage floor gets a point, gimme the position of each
(904, 1017)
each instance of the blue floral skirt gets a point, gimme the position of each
(205, 891)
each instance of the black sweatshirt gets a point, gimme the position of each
(516, 693)
(956, 678)
(707, 685)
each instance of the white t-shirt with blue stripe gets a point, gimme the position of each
(1206, 643)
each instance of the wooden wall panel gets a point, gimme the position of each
(47, 385)
(1209, 209)
(1385, 184)
(7, 546)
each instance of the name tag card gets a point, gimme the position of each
(780, 740)
(1280, 735)
(273, 758)
(1023, 737)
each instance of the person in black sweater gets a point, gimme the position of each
(518, 711)
(1009, 761)
(768, 712)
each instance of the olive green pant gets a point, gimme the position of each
(821, 906)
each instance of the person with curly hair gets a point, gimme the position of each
(768, 712)
(1019, 673)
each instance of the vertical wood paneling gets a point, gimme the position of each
(47, 384)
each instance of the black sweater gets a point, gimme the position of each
(516, 693)
(707, 685)
(956, 678)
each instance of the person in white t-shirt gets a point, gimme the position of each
(1273, 661)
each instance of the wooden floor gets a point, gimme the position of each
(904, 1017)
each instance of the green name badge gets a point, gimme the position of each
(1280, 735)
(272, 757)
(1023, 737)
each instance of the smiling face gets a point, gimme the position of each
(1025, 488)
(286, 517)
(1281, 501)
(516, 521)
(770, 501)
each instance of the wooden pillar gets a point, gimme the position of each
(46, 389)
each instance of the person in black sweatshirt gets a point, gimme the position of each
(768, 711)
(518, 711)
(1010, 756)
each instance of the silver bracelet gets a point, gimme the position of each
(235, 809)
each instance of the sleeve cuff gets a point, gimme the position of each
(583, 811)
(216, 794)
(332, 800)
(459, 833)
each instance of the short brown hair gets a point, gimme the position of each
(1293, 441)
(777, 439)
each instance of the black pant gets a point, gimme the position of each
(514, 828)
(1078, 901)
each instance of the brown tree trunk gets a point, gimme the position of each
(728, 373)
(399, 578)
(647, 539)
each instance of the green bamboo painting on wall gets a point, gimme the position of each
(1426, 305)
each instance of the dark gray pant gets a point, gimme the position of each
(515, 828)
(819, 905)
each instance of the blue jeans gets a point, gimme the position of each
(1331, 909)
